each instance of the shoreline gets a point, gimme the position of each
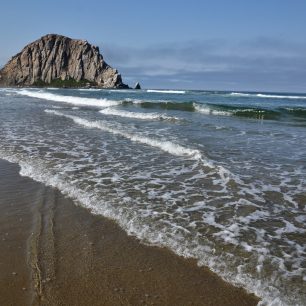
(51, 246)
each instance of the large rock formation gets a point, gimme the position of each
(59, 59)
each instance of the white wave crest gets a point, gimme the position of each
(124, 90)
(167, 91)
(166, 146)
(68, 99)
(208, 111)
(268, 96)
(280, 97)
(142, 116)
(240, 94)
(90, 89)
(139, 101)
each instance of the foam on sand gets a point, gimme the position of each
(37, 170)
(68, 99)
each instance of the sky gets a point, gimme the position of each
(211, 45)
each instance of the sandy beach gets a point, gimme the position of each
(54, 252)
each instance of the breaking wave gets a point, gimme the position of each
(209, 111)
(167, 91)
(141, 116)
(166, 146)
(226, 110)
(253, 112)
(69, 99)
(268, 96)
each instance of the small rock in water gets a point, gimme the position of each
(14, 273)
(137, 86)
(24, 289)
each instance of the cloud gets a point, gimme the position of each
(259, 64)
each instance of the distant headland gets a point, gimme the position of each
(59, 61)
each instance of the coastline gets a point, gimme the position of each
(50, 246)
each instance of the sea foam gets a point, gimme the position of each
(268, 96)
(204, 109)
(167, 91)
(69, 99)
(166, 146)
(37, 170)
(142, 116)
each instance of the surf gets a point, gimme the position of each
(166, 146)
(167, 91)
(68, 99)
(268, 96)
(134, 115)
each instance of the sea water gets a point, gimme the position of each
(216, 176)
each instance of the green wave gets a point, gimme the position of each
(224, 109)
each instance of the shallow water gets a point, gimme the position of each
(219, 176)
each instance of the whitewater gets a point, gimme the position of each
(215, 176)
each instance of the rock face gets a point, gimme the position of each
(137, 86)
(56, 57)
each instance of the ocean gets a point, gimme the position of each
(215, 176)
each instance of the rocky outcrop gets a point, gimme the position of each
(137, 86)
(60, 58)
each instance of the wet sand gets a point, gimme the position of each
(53, 252)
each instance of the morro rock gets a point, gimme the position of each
(55, 59)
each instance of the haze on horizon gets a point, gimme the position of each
(220, 45)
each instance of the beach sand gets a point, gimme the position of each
(53, 252)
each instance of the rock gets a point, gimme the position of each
(137, 86)
(61, 61)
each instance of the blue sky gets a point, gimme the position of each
(220, 44)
